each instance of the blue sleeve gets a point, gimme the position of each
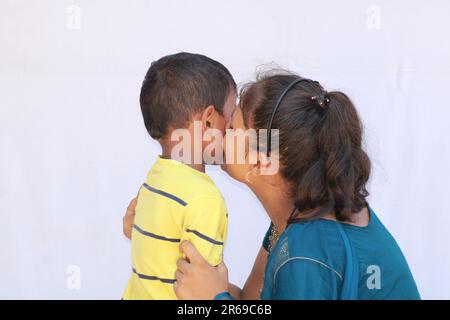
(224, 296)
(306, 279)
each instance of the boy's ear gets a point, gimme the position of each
(207, 117)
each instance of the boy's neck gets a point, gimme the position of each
(167, 154)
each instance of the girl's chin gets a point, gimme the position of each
(223, 166)
(232, 173)
(226, 168)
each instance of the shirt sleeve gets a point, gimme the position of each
(306, 279)
(205, 226)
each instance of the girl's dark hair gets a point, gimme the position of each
(320, 148)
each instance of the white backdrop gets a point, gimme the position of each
(73, 148)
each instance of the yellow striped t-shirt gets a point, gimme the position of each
(176, 203)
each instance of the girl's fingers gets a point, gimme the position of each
(178, 277)
(192, 253)
(131, 209)
(222, 268)
(183, 265)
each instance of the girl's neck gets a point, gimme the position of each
(277, 205)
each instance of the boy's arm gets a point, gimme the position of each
(205, 226)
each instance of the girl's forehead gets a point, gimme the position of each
(238, 117)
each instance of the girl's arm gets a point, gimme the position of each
(254, 283)
(235, 291)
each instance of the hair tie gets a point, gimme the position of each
(321, 99)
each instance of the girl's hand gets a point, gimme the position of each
(196, 279)
(128, 218)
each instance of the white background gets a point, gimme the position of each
(73, 148)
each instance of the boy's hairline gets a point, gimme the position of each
(170, 129)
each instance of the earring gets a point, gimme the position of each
(246, 176)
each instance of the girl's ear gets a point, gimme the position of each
(207, 118)
(265, 170)
(261, 163)
(269, 165)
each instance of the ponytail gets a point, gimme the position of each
(320, 144)
(346, 167)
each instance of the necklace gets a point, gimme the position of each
(273, 237)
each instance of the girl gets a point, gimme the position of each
(325, 241)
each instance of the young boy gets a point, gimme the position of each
(179, 201)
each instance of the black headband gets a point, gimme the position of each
(280, 98)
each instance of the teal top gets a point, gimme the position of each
(308, 262)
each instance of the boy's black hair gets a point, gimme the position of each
(179, 85)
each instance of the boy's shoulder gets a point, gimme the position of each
(196, 187)
(182, 182)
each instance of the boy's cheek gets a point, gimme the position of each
(221, 124)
